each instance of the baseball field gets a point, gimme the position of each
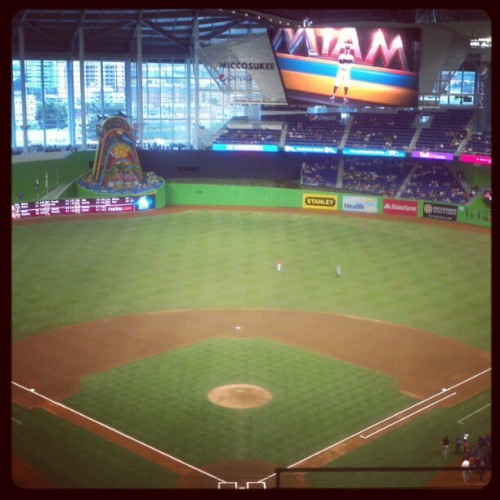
(165, 350)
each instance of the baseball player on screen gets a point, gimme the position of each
(343, 77)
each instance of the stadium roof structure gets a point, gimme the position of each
(168, 34)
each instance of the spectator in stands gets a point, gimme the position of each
(458, 445)
(480, 464)
(445, 442)
(466, 442)
(466, 469)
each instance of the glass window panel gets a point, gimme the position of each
(153, 70)
(459, 91)
(33, 75)
(469, 82)
(77, 102)
(52, 113)
(444, 99)
(180, 110)
(92, 75)
(179, 132)
(165, 70)
(456, 83)
(179, 70)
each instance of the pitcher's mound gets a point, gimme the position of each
(240, 396)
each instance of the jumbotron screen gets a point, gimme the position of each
(76, 206)
(349, 66)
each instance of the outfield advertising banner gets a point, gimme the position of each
(319, 201)
(296, 148)
(268, 148)
(432, 155)
(400, 207)
(359, 204)
(440, 211)
(476, 159)
(391, 153)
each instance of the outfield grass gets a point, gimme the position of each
(64, 272)
(426, 276)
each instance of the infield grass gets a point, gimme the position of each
(163, 401)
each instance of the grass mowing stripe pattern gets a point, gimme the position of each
(73, 272)
(163, 401)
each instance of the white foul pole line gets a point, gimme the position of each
(407, 416)
(32, 391)
(461, 421)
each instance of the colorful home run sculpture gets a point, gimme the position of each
(116, 169)
(116, 163)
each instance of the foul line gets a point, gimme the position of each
(407, 416)
(31, 391)
(473, 413)
(382, 421)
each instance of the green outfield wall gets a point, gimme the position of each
(52, 171)
(246, 196)
(311, 199)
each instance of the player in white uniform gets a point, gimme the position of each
(346, 58)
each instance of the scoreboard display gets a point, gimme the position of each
(74, 206)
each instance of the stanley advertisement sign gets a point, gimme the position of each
(319, 201)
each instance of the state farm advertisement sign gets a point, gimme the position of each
(400, 207)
